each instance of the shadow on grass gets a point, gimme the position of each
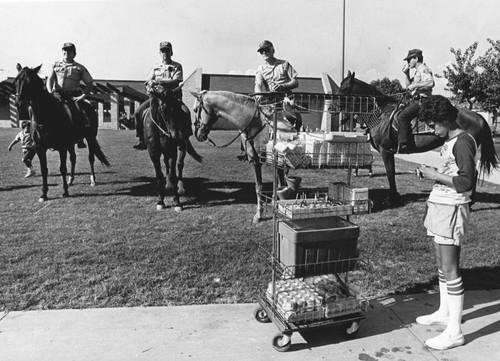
(486, 198)
(381, 199)
(199, 191)
(475, 279)
(25, 186)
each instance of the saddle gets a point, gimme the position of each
(79, 115)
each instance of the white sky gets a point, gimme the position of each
(118, 39)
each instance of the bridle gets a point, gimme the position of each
(198, 125)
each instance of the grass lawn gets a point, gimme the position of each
(108, 246)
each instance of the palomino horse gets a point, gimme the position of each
(384, 136)
(51, 128)
(246, 115)
(162, 138)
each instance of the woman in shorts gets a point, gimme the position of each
(447, 215)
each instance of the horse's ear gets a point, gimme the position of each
(19, 67)
(348, 74)
(196, 95)
(37, 69)
(353, 74)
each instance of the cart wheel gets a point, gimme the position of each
(261, 315)
(282, 342)
(352, 330)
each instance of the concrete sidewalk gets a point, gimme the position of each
(230, 332)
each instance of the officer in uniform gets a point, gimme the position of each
(276, 75)
(419, 86)
(168, 74)
(64, 83)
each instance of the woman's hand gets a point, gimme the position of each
(428, 172)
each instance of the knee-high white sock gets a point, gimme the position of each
(456, 305)
(443, 295)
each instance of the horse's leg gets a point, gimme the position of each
(390, 168)
(170, 163)
(181, 155)
(91, 163)
(42, 157)
(63, 155)
(72, 160)
(160, 180)
(281, 177)
(257, 168)
(168, 186)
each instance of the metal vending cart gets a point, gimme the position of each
(314, 245)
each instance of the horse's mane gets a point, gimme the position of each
(370, 90)
(241, 99)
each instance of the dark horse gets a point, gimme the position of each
(51, 127)
(384, 136)
(246, 115)
(163, 137)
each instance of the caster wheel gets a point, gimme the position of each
(261, 315)
(352, 330)
(282, 342)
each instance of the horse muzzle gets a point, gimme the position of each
(201, 134)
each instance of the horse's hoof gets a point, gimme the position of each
(370, 175)
(65, 194)
(256, 219)
(71, 181)
(42, 199)
(178, 209)
(160, 207)
(92, 184)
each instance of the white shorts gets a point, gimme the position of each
(461, 222)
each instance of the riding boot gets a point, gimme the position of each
(405, 138)
(139, 127)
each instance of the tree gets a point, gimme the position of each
(489, 77)
(463, 77)
(388, 87)
(475, 80)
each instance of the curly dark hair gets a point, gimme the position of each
(437, 109)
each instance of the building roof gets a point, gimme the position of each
(244, 84)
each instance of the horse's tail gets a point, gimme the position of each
(96, 149)
(192, 152)
(489, 158)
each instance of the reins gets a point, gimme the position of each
(240, 132)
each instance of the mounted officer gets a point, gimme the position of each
(419, 86)
(64, 83)
(169, 75)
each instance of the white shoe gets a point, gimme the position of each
(444, 341)
(30, 173)
(432, 319)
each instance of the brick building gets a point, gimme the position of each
(112, 97)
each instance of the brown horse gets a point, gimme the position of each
(163, 138)
(384, 136)
(246, 115)
(51, 128)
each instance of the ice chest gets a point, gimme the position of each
(316, 246)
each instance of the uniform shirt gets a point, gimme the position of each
(279, 73)
(423, 73)
(69, 75)
(25, 138)
(172, 71)
(457, 159)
